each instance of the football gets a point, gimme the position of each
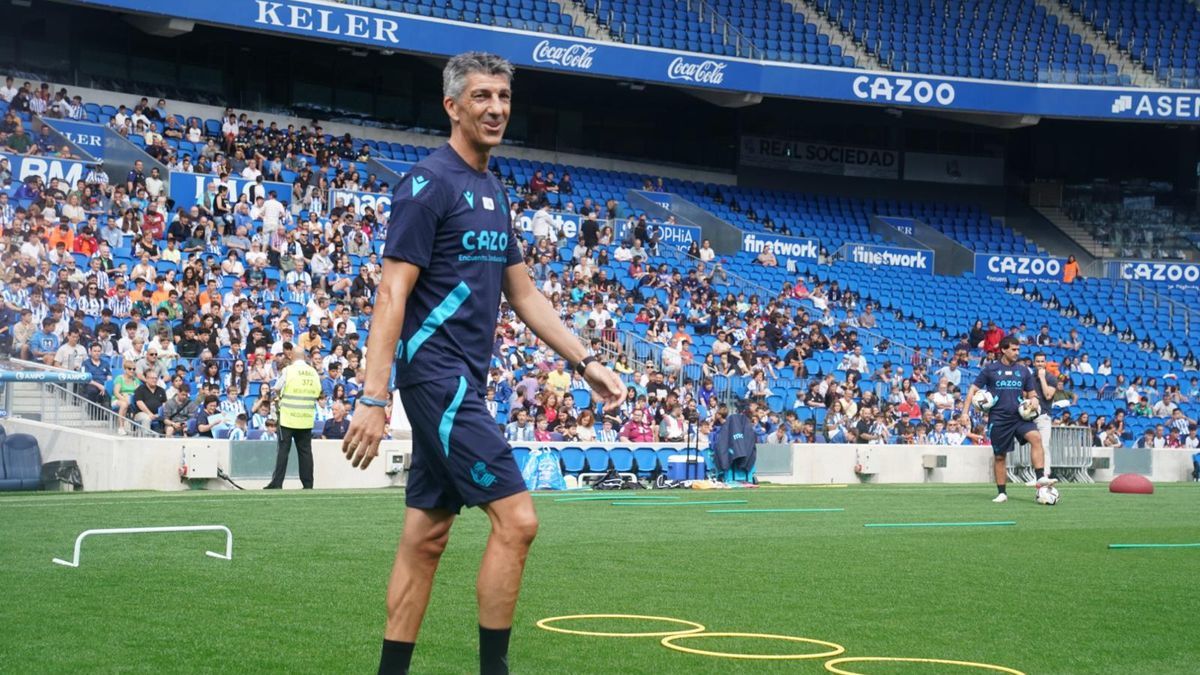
(1029, 409)
(983, 400)
(1047, 495)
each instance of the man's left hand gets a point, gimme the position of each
(606, 385)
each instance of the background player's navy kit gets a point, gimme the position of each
(453, 223)
(1008, 384)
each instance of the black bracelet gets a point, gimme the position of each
(581, 367)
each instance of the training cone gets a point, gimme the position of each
(1131, 484)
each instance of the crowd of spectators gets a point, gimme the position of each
(183, 334)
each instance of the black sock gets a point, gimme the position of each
(493, 650)
(1037, 472)
(395, 657)
(1002, 489)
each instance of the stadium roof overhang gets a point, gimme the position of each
(724, 81)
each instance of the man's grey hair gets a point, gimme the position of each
(454, 77)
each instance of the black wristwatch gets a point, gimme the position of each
(582, 365)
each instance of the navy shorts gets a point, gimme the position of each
(460, 457)
(1004, 432)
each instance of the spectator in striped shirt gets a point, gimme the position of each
(238, 432)
(119, 303)
(232, 406)
(97, 175)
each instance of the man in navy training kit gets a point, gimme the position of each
(1009, 382)
(450, 251)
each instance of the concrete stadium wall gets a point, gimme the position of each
(123, 463)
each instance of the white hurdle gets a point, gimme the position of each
(228, 555)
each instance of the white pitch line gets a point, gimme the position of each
(189, 500)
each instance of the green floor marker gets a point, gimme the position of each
(610, 498)
(991, 523)
(1154, 545)
(774, 510)
(723, 501)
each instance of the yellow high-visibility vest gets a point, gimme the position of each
(298, 400)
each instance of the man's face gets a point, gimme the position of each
(1039, 362)
(481, 111)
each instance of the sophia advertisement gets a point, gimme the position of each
(388, 30)
(837, 160)
(1158, 272)
(378, 202)
(188, 188)
(889, 256)
(668, 233)
(1018, 268)
(795, 248)
(65, 170)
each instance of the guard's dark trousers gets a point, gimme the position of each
(303, 438)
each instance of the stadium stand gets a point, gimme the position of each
(988, 39)
(706, 328)
(1163, 34)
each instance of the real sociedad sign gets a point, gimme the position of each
(69, 171)
(386, 29)
(1156, 272)
(782, 247)
(1018, 268)
(379, 202)
(187, 189)
(890, 256)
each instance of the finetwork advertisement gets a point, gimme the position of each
(188, 188)
(1173, 274)
(889, 256)
(1018, 268)
(668, 233)
(379, 202)
(838, 160)
(782, 247)
(66, 170)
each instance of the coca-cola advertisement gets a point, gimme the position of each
(568, 56)
(700, 72)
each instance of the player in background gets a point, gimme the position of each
(1045, 394)
(1010, 383)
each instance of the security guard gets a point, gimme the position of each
(298, 386)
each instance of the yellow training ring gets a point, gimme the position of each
(834, 648)
(830, 665)
(544, 624)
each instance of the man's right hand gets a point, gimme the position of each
(367, 428)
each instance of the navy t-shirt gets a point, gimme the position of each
(453, 222)
(1037, 389)
(1008, 384)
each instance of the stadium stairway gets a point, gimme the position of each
(578, 12)
(1104, 45)
(32, 400)
(1059, 219)
(838, 36)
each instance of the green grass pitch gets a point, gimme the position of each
(304, 592)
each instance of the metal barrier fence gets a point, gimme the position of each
(1070, 456)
